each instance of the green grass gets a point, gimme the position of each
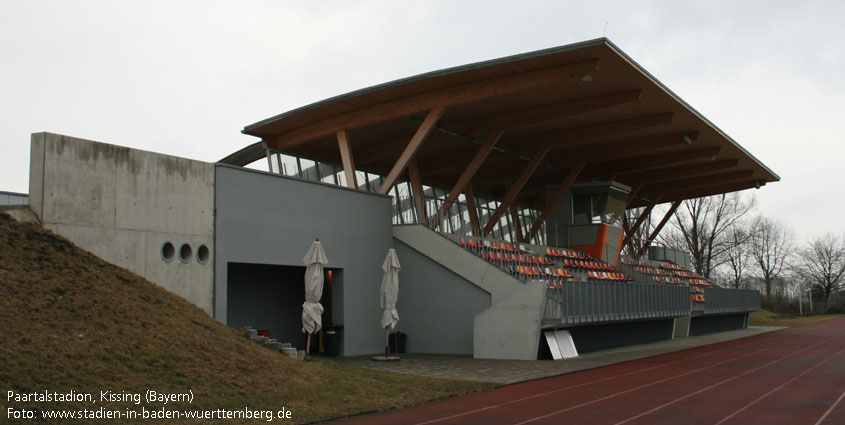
(767, 318)
(70, 320)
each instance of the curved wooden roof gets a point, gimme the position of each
(511, 126)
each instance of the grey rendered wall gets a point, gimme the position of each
(270, 219)
(439, 306)
(123, 204)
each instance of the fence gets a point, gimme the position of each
(722, 300)
(588, 302)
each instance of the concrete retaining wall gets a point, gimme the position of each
(124, 204)
(510, 327)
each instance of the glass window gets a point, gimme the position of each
(581, 208)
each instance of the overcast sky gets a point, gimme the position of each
(184, 77)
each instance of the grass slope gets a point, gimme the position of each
(767, 318)
(71, 321)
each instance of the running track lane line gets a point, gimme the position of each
(724, 381)
(736, 412)
(821, 419)
(660, 382)
(495, 406)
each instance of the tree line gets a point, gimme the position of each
(733, 245)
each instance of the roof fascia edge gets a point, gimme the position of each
(682, 102)
(442, 72)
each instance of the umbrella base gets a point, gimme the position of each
(386, 359)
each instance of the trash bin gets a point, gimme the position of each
(397, 340)
(331, 339)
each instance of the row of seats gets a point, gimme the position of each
(606, 276)
(496, 245)
(700, 282)
(697, 298)
(648, 270)
(491, 255)
(589, 265)
(671, 266)
(666, 279)
(555, 284)
(534, 271)
(565, 253)
(686, 273)
(529, 266)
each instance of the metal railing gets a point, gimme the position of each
(591, 302)
(725, 300)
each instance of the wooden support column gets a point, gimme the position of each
(411, 149)
(417, 190)
(516, 188)
(640, 220)
(473, 211)
(561, 191)
(659, 227)
(633, 195)
(346, 159)
(516, 224)
(466, 176)
(626, 226)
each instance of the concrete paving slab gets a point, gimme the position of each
(512, 371)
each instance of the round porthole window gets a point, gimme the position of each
(202, 254)
(185, 253)
(168, 251)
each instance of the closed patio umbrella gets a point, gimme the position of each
(389, 294)
(312, 311)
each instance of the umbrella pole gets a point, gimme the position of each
(386, 339)
(308, 343)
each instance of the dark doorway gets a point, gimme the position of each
(269, 297)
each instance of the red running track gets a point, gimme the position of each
(794, 376)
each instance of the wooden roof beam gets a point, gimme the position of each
(516, 188)
(618, 149)
(530, 116)
(411, 149)
(606, 169)
(704, 191)
(659, 227)
(433, 99)
(698, 181)
(347, 159)
(575, 135)
(633, 229)
(562, 189)
(390, 149)
(466, 176)
(672, 173)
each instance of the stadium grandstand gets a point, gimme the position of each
(503, 186)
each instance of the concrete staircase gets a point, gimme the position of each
(285, 348)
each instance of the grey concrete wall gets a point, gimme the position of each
(263, 218)
(440, 308)
(123, 204)
(510, 327)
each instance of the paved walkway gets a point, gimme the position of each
(512, 371)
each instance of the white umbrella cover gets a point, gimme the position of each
(315, 259)
(390, 290)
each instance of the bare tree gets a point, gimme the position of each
(771, 246)
(700, 227)
(822, 263)
(736, 254)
